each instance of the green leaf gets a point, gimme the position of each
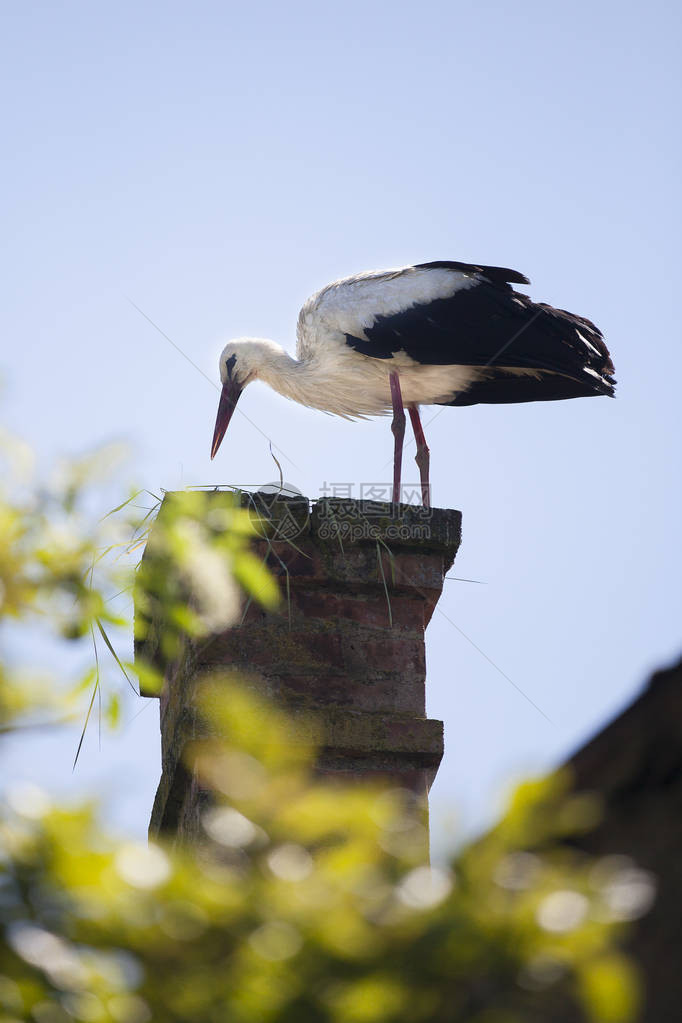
(252, 574)
(115, 656)
(112, 710)
(150, 679)
(87, 719)
(610, 989)
(123, 504)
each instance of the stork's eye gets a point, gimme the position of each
(229, 366)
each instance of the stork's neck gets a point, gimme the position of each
(306, 381)
(285, 374)
(333, 380)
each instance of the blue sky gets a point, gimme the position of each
(216, 163)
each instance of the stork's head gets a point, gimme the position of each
(239, 364)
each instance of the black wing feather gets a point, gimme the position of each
(495, 274)
(500, 330)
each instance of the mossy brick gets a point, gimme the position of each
(335, 520)
(346, 647)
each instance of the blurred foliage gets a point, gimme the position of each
(305, 901)
(206, 537)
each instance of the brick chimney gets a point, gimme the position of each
(345, 648)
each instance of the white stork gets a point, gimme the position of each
(440, 333)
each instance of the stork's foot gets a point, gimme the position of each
(423, 456)
(398, 430)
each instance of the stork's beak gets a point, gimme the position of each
(228, 401)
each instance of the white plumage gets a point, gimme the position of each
(353, 304)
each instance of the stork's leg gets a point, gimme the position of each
(398, 428)
(422, 457)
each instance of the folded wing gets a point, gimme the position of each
(469, 315)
